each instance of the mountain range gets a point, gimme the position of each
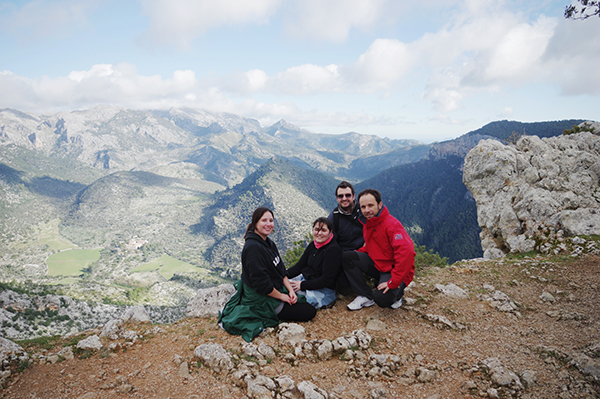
(164, 196)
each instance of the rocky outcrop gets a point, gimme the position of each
(533, 194)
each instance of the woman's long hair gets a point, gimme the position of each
(258, 213)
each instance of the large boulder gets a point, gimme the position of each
(136, 314)
(209, 301)
(534, 189)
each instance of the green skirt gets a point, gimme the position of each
(248, 313)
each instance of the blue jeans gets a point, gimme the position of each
(317, 298)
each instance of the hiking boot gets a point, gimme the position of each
(360, 302)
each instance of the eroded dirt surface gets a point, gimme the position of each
(537, 337)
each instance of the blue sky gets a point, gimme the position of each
(429, 71)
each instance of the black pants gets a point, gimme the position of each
(356, 265)
(297, 312)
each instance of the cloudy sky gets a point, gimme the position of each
(426, 70)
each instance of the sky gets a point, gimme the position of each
(404, 69)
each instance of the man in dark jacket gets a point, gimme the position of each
(347, 227)
(347, 219)
(388, 256)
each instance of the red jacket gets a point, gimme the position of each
(390, 247)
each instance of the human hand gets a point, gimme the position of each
(286, 298)
(384, 287)
(296, 285)
(293, 298)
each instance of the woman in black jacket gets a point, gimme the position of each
(264, 294)
(316, 272)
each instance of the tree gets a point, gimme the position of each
(585, 10)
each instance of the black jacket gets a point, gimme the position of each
(262, 267)
(320, 267)
(348, 232)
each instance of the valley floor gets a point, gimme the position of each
(543, 339)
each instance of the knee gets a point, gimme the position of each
(383, 300)
(348, 259)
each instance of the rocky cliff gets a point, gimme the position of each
(536, 193)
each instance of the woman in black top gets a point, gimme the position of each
(264, 294)
(319, 266)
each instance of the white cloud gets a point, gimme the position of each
(507, 112)
(306, 79)
(182, 21)
(122, 85)
(384, 63)
(104, 83)
(267, 114)
(332, 20)
(572, 57)
(40, 19)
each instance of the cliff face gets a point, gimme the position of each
(532, 194)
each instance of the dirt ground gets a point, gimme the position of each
(533, 338)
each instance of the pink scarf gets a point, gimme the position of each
(317, 245)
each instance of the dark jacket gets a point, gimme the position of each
(349, 232)
(320, 267)
(262, 267)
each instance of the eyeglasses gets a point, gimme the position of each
(340, 196)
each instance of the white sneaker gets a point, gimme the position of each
(397, 304)
(360, 302)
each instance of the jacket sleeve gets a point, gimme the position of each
(404, 256)
(330, 268)
(257, 272)
(301, 264)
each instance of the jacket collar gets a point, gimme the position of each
(375, 220)
(343, 212)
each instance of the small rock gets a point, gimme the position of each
(528, 378)
(136, 314)
(376, 325)
(325, 350)
(492, 393)
(91, 342)
(66, 353)
(183, 370)
(451, 290)
(311, 391)
(291, 333)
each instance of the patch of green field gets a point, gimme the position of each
(167, 266)
(71, 262)
(48, 234)
(65, 281)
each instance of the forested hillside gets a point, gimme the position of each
(503, 130)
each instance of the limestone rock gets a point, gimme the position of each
(502, 376)
(91, 342)
(136, 314)
(209, 301)
(8, 347)
(291, 333)
(214, 357)
(112, 329)
(534, 189)
(311, 391)
(261, 387)
(451, 290)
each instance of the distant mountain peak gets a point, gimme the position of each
(283, 126)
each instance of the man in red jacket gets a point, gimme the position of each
(388, 256)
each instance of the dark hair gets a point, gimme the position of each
(344, 184)
(324, 221)
(371, 191)
(256, 215)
